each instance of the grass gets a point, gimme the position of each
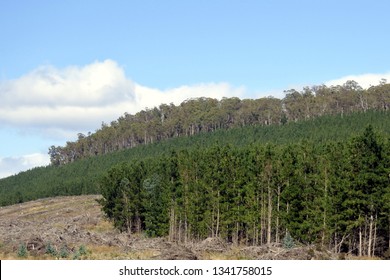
(105, 252)
(100, 227)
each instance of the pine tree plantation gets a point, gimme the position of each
(332, 194)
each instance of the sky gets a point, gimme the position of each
(68, 66)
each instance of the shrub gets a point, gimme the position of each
(288, 241)
(22, 251)
(82, 250)
(64, 253)
(76, 255)
(51, 250)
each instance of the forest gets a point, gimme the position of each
(82, 176)
(333, 194)
(202, 115)
(314, 166)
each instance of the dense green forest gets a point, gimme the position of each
(201, 115)
(335, 194)
(81, 176)
(314, 165)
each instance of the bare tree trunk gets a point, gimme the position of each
(179, 233)
(254, 234)
(365, 243)
(218, 214)
(269, 223)
(262, 220)
(172, 225)
(374, 242)
(338, 245)
(212, 223)
(185, 230)
(370, 235)
(277, 218)
(127, 212)
(236, 234)
(287, 211)
(360, 241)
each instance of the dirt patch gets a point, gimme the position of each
(75, 227)
(212, 244)
(36, 245)
(46, 226)
(56, 222)
(277, 252)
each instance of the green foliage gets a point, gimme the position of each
(82, 250)
(156, 205)
(325, 180)
(76, 255)
(22, 251)
(123, 195)
(288, 241)
(254, 193)
(50, 250)
(82, 176)
(64, 252)
(200, 115)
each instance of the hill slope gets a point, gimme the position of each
(81, 176)
(201, 115)
(74, 228)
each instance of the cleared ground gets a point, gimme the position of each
(75, 228)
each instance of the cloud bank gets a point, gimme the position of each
(59, 103)
(13, 165)
(62, 102)
(364, 80)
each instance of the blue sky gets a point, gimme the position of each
(66, 66)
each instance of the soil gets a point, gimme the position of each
(75, 227)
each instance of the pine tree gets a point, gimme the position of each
(156, 206)
(368, 182)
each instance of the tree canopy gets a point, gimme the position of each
(332, 194)
(313, 168)
(201, 115)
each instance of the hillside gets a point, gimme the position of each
(81, 176)
(74, 228)
(321, 182)
(202, 115)
(333, 194)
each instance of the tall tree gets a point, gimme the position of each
(368, 182)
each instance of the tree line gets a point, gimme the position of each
(82, 176)
(200, 115)
(336, 194)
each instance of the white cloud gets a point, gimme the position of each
(364, 80)
(92, 85)
(148, 97)
(68, 100)
(13, 165)
(59, 103)
(62, 102)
